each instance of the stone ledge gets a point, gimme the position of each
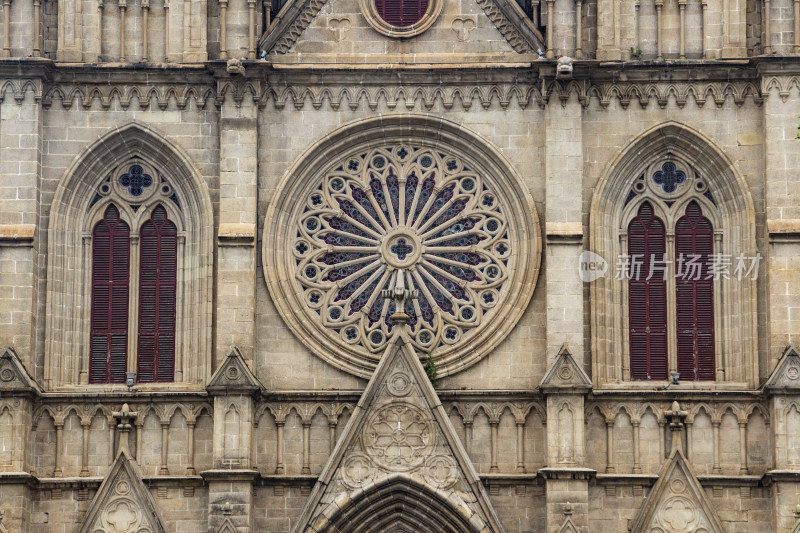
(564, 232)
(221, 474)
(567, 473)
(17, 234)
(786, 230)
(645, 480)
(236, 234)
(719, 480)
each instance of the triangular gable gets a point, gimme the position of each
(123, 502)
(504, 17)
(233, 375)
(399, 446)
(565, 374)
(677, 502)
(13, 375)
(787, 372)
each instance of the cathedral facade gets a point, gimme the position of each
(399, 266)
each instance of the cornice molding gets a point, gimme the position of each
(412, 95)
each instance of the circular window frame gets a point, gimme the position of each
(279, 235)
(370, 13)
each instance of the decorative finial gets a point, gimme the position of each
(676, 416)
(124, 415)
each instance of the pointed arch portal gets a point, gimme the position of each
(399, 504)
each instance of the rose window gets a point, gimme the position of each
(404, 217)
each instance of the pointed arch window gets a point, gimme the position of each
(694, 240)
(671, 278)
(157, 298)
(135, 251)
(647, 296)
(110, 294)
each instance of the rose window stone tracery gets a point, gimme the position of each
(401, 211)
(403, 217)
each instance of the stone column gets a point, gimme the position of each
(223, 29)
(236, 272)
(564, 227)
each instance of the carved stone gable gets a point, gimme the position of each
(565, 374)
(340, 26)
(123, 504)
(233, 375)
(399, 445)
(13, 375)
(786, 375)
(677, 503)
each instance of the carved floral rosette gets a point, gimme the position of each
(425, 217)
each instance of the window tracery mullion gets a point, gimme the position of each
(425, 208)
(383, 222)
(725, 370)
(181, 328)
(133, 302)
(621, 319)
(401, 208)
(436, 215)
(672, 306)
(86, 324)
(392, 208)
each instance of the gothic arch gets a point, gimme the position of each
(77, 203)
(733, 217)
(399, 501)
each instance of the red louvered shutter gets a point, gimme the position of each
(157, 298)
(694, 236)
(109, 324)
(401, 13)
(647, 299)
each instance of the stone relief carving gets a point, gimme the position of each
(397, 435)
(339, 26)
(463, 26)
(677, 503)
(122, 504)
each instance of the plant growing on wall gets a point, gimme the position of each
(431, 370)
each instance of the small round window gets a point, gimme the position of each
(401, 18)
(401, 13)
